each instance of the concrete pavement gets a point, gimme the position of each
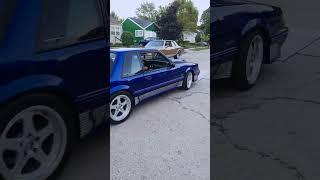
(271, 131)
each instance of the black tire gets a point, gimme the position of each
(132, 106)
(185, 81)
(12, 109)
(239, 77)
(177, 55)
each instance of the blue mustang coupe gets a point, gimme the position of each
(52, 82)
(137, 74)
(244, 35)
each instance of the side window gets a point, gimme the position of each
(132, 65)
(168, 43)
(154, 60)
(68, 22)
(84, 22)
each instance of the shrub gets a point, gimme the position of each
(198, 38)
(127, 39)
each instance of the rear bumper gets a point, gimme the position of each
(277, 42)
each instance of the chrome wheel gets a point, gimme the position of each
(120, 107)
(254, 59)
(189, 80)
(32, 144)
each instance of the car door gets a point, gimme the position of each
(225, 30)
(132, 73)
(78, 49)
(168, 49)
(155, 78)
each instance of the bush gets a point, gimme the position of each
(198, 38)
(127, 39)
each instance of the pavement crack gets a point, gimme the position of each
(291, 99)
(262, 154)
(308, 55)
(298, 51)
(177, 100)
(191, 94)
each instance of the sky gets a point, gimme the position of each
(127, 8)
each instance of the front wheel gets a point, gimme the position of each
(246, 69)
(120, 107)
(188, 80)
(36, 133)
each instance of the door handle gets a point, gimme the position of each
(148, 78)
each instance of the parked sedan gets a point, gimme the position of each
(245, 35)
(138, 74)
(168, 47)
(147, 40)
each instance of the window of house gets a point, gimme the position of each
(139, 33)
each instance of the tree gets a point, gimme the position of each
(127, 39)
(115, 16)
(147, 11)
(170, 27)
(187, 15)
(205, 22)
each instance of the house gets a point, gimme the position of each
(190, 36)
(115, 31)
(140, 28)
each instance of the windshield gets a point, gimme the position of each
(112, 61)
(155, 44)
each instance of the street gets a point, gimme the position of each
(271, 131)
(166, 137)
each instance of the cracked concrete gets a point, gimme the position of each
(166, 137)
(271, 131)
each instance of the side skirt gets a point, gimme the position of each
(157, 91)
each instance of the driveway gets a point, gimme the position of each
(166, 137)
(272, 130)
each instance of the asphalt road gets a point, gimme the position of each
(272, 130)
(168, 136)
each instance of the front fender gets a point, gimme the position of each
(119, 88)
(28, 84)
(252, 24)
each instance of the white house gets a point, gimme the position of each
(115, 31)
(190, 36)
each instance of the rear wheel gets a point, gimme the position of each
(246, 69)
(36, 135)
(178, 55)
(120, 107)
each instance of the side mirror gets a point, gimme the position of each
(171, 65)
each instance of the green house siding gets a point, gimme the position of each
(129, 26)
(153, 28)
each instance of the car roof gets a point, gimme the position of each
(131, 49)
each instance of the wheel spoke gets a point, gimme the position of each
(113, 107)
(45, 132)
(20, 163)
(40, 156)
(28, 126)
(9, 144)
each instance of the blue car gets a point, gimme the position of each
(244, 35)
(52, 82)
(138, 74)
